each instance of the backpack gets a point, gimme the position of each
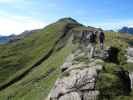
(101, 35)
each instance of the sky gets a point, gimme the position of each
(17, 16)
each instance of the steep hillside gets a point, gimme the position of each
(17, 59)
(38, 82)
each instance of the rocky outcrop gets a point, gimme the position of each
(78, 79)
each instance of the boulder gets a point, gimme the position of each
(79, 80)
(62, 87)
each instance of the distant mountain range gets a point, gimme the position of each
(12, 38)
(126, 30)
(3, 39)
(6, 39)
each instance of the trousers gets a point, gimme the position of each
(91, 50)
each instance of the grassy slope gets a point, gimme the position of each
(36, 86)
(19, 57)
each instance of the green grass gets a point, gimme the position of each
(35, 86)
(19, 57)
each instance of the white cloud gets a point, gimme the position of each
(18, 24)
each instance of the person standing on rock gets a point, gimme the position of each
(91, 38)
(101, 39)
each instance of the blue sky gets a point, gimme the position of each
(19, 15)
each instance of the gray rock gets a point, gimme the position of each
(70, 96)
(88, 86)
(91, 95)
(83, 78)
(129, 55)
(130, 52)
(80, 79)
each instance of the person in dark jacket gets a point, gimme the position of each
(101, 39)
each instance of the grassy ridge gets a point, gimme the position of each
(34, 61)
(20, 56)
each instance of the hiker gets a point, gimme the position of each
(101, 39)
(91, 38)
(83, 40)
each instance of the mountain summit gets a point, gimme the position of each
(68, 19)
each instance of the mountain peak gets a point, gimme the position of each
(68, 19)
